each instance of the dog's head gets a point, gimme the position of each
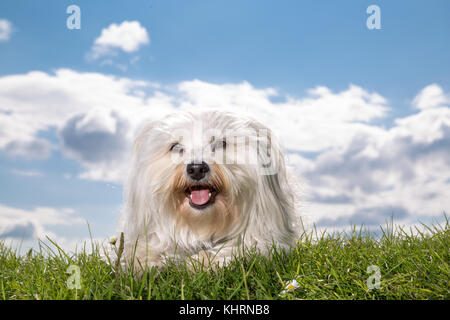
(205, 171)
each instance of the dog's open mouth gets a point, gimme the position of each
(200, 196)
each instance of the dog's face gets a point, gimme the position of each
(204, 169)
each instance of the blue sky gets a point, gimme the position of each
(292, 45)
(289, 46)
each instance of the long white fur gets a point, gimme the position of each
(267, 202)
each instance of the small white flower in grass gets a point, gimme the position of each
(290, 286)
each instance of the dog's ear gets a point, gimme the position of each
(276, 198)
(143, 134)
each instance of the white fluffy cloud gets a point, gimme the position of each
(400, 172)
(85, 121)
(29, 224)
(6, 29)
(431, 96)
(23, 229)
(359, 172)
(319, 121)
(128, 36)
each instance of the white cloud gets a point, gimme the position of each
(65, 101)
(6, 29)
(321, 120)
(403, 171)
(25, 229)
(21, 223)
(128, 36)
(431, 96)
(31, 149)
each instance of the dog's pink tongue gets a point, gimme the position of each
(200, 197)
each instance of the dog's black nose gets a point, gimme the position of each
(197, 171)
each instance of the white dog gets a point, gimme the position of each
(206, 185)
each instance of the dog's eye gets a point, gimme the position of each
(222, 144)
(176, 147)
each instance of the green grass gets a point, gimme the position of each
(412, 266)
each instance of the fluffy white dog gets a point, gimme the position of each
(206, 185)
